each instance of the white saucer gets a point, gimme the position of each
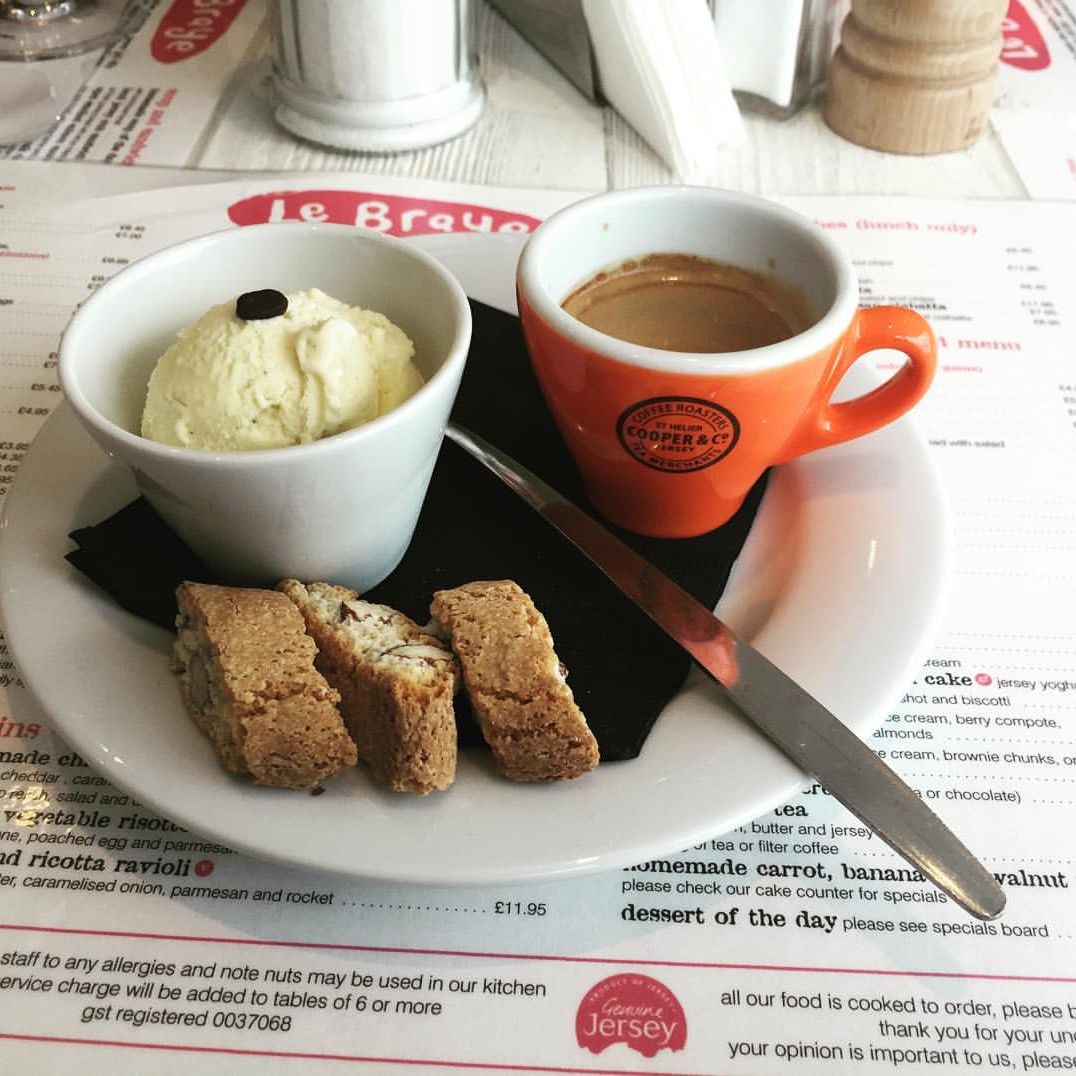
(842, 583)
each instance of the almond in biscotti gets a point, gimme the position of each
(247, 676)
(395, 681)
(515, 682)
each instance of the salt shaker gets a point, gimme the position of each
(915, 76)
(378, 75)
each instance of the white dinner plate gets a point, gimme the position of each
(841, 583)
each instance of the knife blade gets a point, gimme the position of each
(788, 715)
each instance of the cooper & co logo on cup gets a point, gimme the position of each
(673, 434)
(633, 1009)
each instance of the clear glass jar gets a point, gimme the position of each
(379, 75)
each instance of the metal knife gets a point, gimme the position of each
(797, 723)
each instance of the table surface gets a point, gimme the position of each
(538, 130)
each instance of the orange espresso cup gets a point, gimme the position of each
(669, 443)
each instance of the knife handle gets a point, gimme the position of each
(849, 770)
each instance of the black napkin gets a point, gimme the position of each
(621, 668)
(139, 560)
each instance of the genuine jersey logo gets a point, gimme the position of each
(633, 1009)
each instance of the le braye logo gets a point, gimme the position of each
(391, 214)
(1022, 43)
(189, 27)
(633, 1009)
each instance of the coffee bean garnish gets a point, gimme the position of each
(261, 305)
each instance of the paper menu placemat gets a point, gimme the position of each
(155, 91)
(795, 942)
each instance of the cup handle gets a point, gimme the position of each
(872, 328)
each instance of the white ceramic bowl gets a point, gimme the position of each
(342, 508)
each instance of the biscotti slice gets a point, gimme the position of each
(396, 684)
(246, 669)
(514, 681)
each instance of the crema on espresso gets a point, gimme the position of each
(680, 302)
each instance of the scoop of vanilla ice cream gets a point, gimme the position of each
(319, 368)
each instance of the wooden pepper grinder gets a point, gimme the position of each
(915, 76)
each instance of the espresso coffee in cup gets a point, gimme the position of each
(677, 379)
(681, 302)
